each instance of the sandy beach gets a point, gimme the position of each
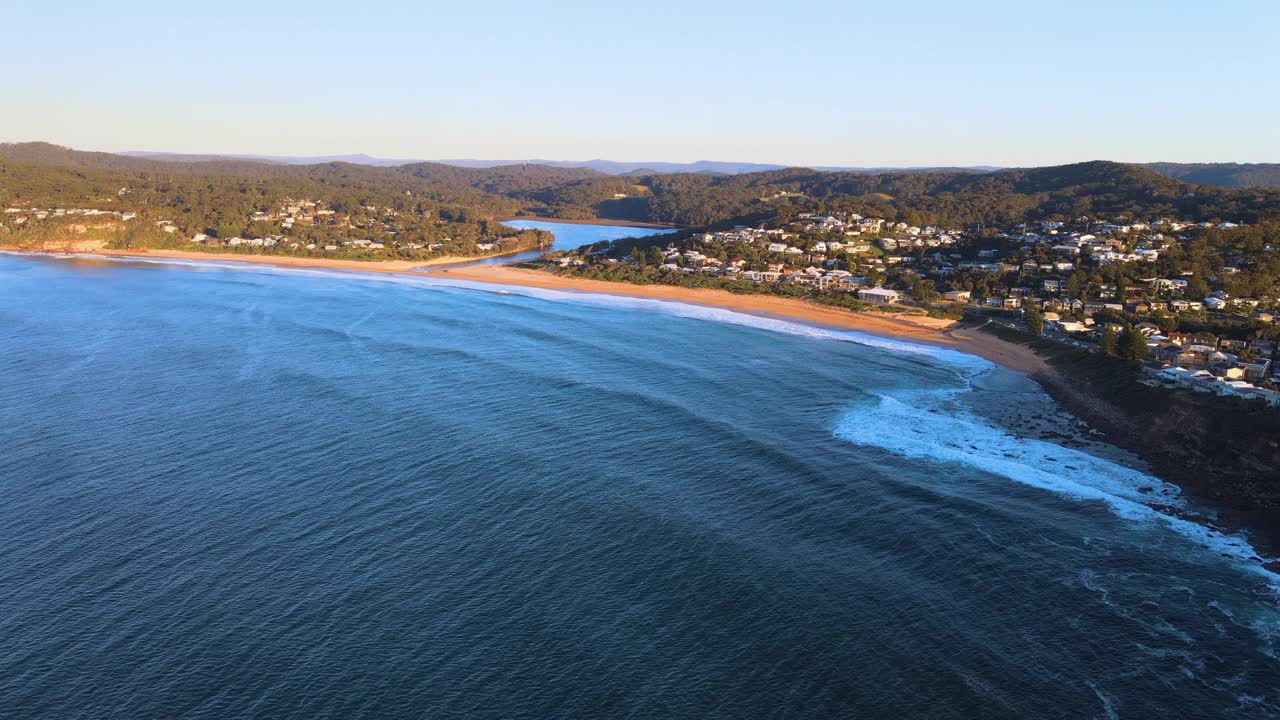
(375, 266)
(916, 328)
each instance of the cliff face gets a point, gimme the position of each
(1224, 453)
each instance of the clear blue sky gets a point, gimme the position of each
(814, 83)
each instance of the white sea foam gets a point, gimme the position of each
(969, 364)
(965, 363)
(917, 424)
(931, 425)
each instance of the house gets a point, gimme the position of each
(1137, 306)
(1255, 371)
(1070, 305)
(1169, 354)
(1096, 307)
(1204, 338)
(879, 296)
(1069, 326)
(957, 295)
(1266, 348)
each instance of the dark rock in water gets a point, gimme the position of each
(1215, 451)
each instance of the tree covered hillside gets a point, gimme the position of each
(1230, 175)
(953, 198)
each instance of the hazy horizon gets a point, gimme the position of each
(267, 156)
(917, 85)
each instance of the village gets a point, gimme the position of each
(1056, 271)
(311, 213)
(298, 226)
(20, 216)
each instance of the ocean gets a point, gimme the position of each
(231, 491)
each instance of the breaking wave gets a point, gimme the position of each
(933, 425)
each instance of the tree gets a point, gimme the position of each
(1075, 284)
(1132, 345)
(1168, 322)
(981, 290)
(654, 255)
(1197, 288)
(1109, 341)
(923, 291)
(1035, 320)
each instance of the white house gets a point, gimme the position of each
(879, 296)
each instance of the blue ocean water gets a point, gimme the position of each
(239, 492)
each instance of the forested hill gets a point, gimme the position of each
(41, 153)
(500, 190)
(1230, 175)
(510, 178)
(956, 198)
(1007, 196)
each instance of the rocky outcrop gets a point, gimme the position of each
(1224, 453)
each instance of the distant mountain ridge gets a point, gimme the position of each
(354, 159)
(608, 167)
(708, 167)
(1230, 175)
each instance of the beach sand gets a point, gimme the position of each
(916, 328)
(376, 266)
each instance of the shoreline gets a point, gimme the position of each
(293, 261)
(919, 329)
(594, 221)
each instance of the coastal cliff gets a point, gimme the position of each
(1223, 452)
